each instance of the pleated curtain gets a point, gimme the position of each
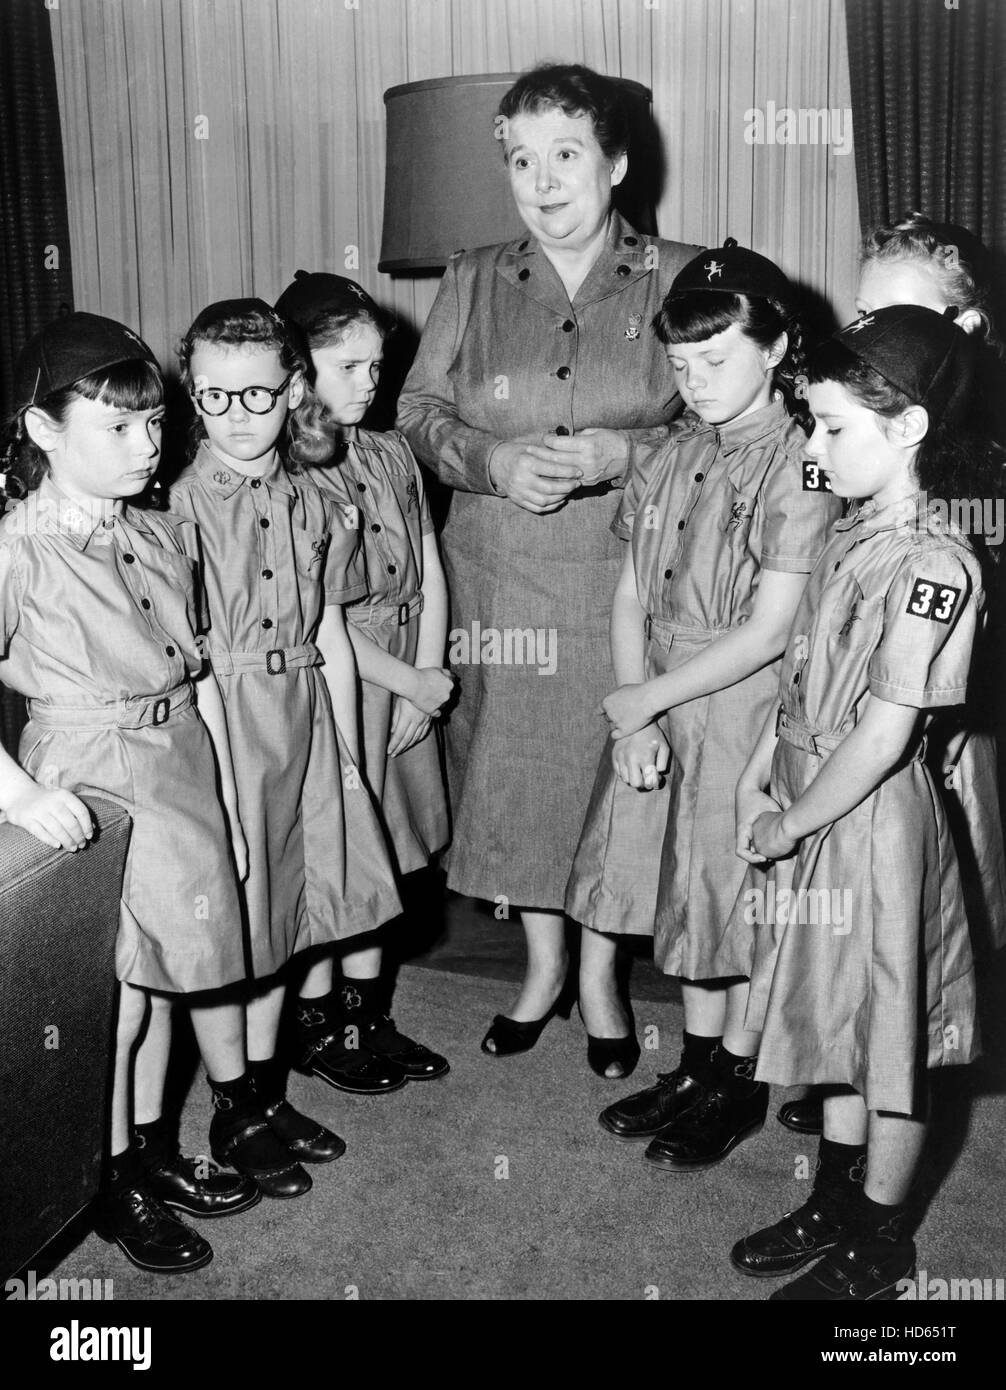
(215, 146)
(929, 106)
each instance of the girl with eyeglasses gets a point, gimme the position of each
(280, 559)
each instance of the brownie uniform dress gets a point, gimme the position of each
(276, 550)
(100, 621)
(874, 999)
(505, 354)
(383, 479)
(715, 507)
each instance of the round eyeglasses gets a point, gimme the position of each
(257, 400)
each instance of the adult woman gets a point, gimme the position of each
(536, 380)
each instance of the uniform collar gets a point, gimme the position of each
(621, 261)
(226, 481)
(77, 521)
(910, 510)
(736, 434)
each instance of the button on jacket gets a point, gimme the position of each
(382, 477)
(704, 517)
(100, 618)
(506, 354)
(318, 867)
(879, 984)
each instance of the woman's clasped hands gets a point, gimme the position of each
(539, 471)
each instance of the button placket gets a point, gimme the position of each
(268, 591)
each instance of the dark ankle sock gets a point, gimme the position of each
(236, 1106)
(318, 1016)
(360, 1001)
(269, 1077)
(879, 1221)
(121, 1171)
(736, 1075)
(154, 1142)
(838, 1177)
(697, 1054)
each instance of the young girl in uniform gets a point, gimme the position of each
(838, 800)
(398, 632)
(725, 523)
(101, 610)
(281, 558)
(918, 261)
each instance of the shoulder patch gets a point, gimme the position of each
(933, 600)
(813, 479)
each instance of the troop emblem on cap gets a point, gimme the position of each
(865, 322)
(733, 269)
(922, 353)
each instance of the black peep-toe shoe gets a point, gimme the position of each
(601, 1052)
(511, 1036)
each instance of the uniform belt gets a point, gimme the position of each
(803, 736)
(276, 662)
(373, 614)
(134, 713)
(666, 632)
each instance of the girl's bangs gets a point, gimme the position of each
(692, 317)
(130, 385)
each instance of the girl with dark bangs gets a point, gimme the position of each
(838, 804)
(725, 524)
(100, 608)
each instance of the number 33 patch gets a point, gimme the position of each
(813, 479)
(937, 602)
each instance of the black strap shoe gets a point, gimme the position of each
(803, 1116)
(799, 1237)
(306, 1139)
(419, 1063)
(858, 1271)
(709, 1130)
(147, 1233)
(198, 1188)
(645, 1113)
(354, 1069)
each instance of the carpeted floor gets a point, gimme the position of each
(496, 1183)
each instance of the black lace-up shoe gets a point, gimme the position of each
(198, 1188)
(645, 1113)
(147, 1233)
(709, 1130)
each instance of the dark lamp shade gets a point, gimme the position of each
(446, 187)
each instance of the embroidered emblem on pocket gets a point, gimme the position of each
(813, 479)
(635, 323)
(934, 601)
(318, 551)
(738, 515)
(846, 629)
(412, 493)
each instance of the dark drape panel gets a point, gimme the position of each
(34, 238)
(929, 111)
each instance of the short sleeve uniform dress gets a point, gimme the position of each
(275, 551)
(506, 354)
(381, 477)
(101, 614)
(878, 984)
(704, 517)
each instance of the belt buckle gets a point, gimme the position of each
(162, 709)
(280, 668)
(403, 614)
